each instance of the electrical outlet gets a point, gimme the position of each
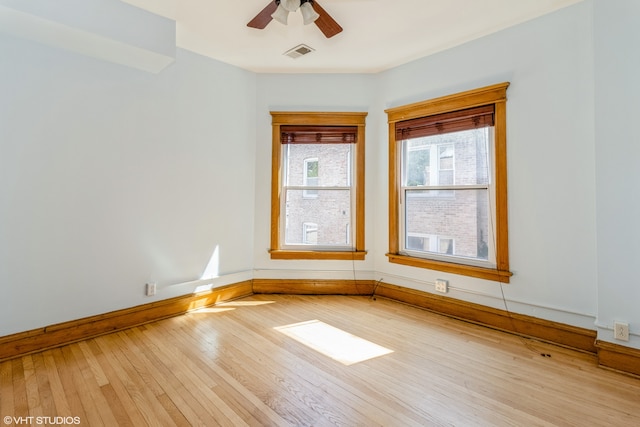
(150, 289)
(621, 331)
(442, 286)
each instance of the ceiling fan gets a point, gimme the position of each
(279, 10)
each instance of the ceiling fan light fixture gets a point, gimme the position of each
(281, 14)
(309, 15)
(290, 5)
(311, 11)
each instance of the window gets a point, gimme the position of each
(428, 164)
(317, 197)
(310, 177)
(430, 243)
(448, 188)
(310, 233)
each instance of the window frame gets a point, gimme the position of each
(281, 118)
(495, 95)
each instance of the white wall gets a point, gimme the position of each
(112, 177)
(617, 96)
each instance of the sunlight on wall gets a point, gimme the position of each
(211, 271)
(335, 343)
(213, 267)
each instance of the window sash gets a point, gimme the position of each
(316, 196)
(451, 194)
(455, 257)
(332, 222)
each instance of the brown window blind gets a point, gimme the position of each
(455, 121)
(291, 134)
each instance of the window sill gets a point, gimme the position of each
(501, 276)
(337, 255)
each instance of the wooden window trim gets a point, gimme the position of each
(495, 95)
(279, 119)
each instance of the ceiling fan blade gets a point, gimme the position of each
(326, 23)
(264, 17)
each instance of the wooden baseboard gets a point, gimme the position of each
(618, 357)
(313, 286)
(22, 343)
(557, 333)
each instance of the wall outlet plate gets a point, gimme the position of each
(621, 331)
(150, 289)
(442, 286)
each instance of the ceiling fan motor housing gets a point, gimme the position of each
(290, 5)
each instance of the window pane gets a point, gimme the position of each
(310, 233)
(325, 165)
(311, 176)
(461, 219)
(417, 243)
(330, 211)
(445, 246)
(311, 171)
(456, 158)
(417, 170)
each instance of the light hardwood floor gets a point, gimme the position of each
(228, 365)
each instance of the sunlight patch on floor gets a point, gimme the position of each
(335, 343)
(205, 310)
(244, 303)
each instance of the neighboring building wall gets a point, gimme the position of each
(459, 215)
(329, 209)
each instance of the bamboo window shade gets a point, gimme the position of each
(301, 134)
(454, 121)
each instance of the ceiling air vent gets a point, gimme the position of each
(299, 51)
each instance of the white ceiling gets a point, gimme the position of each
(378, 34)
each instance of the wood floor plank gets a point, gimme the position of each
(120, 412)
(195, 413)
(143, 398)
(47, 402)
(113, 388)
(6, 390)
(20, 401)
(229, 365)
(174, 412)
(31, 386)
(57, 389)
(235, 392)
(99, 375)
(178, 384)
(192, 377)
(93, 402)
(64, 371)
